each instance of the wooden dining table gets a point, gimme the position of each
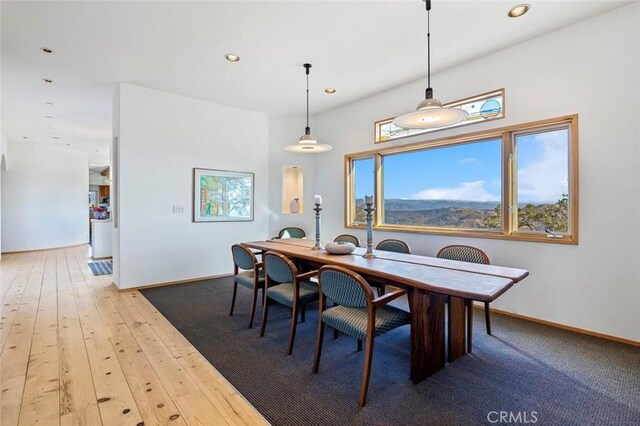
(431, 283)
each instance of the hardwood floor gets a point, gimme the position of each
(76, 351)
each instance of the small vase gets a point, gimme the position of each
(294, 206)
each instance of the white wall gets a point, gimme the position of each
(285, 130)
(162, 138)
(592, 69)
(44, 197)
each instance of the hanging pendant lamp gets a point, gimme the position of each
(430, 113)
(307, 142)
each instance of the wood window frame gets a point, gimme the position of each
(509, 185)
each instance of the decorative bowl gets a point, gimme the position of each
(339, 248)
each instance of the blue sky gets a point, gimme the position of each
(473, 171)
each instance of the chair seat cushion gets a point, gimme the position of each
(245, 278)
(283, 293)
(353, 321)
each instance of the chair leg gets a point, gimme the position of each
(487, 317)
(320, 338)
(292, 333)
(233, 298)
(381, 290)
(359, 345)
(335, 333)
(265, 311)
(303, 310)
(366, 371)
(254, 300)
(469, 326)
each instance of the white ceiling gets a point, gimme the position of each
(358, 47)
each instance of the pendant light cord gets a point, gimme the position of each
(429, 91)
(307, 130)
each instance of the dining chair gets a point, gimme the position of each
(289, 288)
(247, 272)
(473, 255)
(396, 246)
(291, 232)
(357, 314)
(347, 238)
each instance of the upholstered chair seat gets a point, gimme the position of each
(284, 293)
(353, 321)
(246, 278)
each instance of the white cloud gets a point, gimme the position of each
(544, 179)
(468, 160)
(466, 191)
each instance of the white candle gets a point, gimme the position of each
(368, 199)
(318, 199)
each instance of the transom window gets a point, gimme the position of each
(518, 182)
(484, 107)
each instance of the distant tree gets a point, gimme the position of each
(493, 220)
(535, 217)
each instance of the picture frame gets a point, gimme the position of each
(222, 195)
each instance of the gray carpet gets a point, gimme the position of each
(537, 373)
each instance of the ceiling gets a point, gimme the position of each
(357, 47)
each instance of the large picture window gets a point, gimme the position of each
(518, 182)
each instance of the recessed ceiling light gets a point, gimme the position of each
(46, 80)
(518, 10)
(56, 137)
(48, 116)
(68, 144)
(330, 90)
(25, 137)
(49, 103)
(96, 150)
(46, 50)
(232, 57)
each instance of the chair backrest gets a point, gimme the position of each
(279, 268)
(243, 257)
(292, 232)
(344, 287)
(347, 238)
(394, 245)
(464, 254)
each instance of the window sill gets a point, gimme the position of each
(469, 233)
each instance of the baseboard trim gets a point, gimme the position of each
(563, 326)
(190, 280)
(44, 249)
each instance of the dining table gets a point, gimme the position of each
(432, 284)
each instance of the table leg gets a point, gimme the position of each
(456, 328)
(427, 333)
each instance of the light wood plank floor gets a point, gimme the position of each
(76, 351)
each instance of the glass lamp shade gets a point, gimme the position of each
(308, 144)
(430, 114)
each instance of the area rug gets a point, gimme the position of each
(101, 268)
(526, 373)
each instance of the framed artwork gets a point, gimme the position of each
(222, 196)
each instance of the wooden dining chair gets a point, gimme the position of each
(473, 255)
(286, 286)
(291, 232)
(247, 272)
(356, 314)
(347, 238)
(396, 246)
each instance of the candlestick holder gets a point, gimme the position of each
(318, 246)
(369, 211)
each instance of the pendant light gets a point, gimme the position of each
(307, 142)
(430, 113)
